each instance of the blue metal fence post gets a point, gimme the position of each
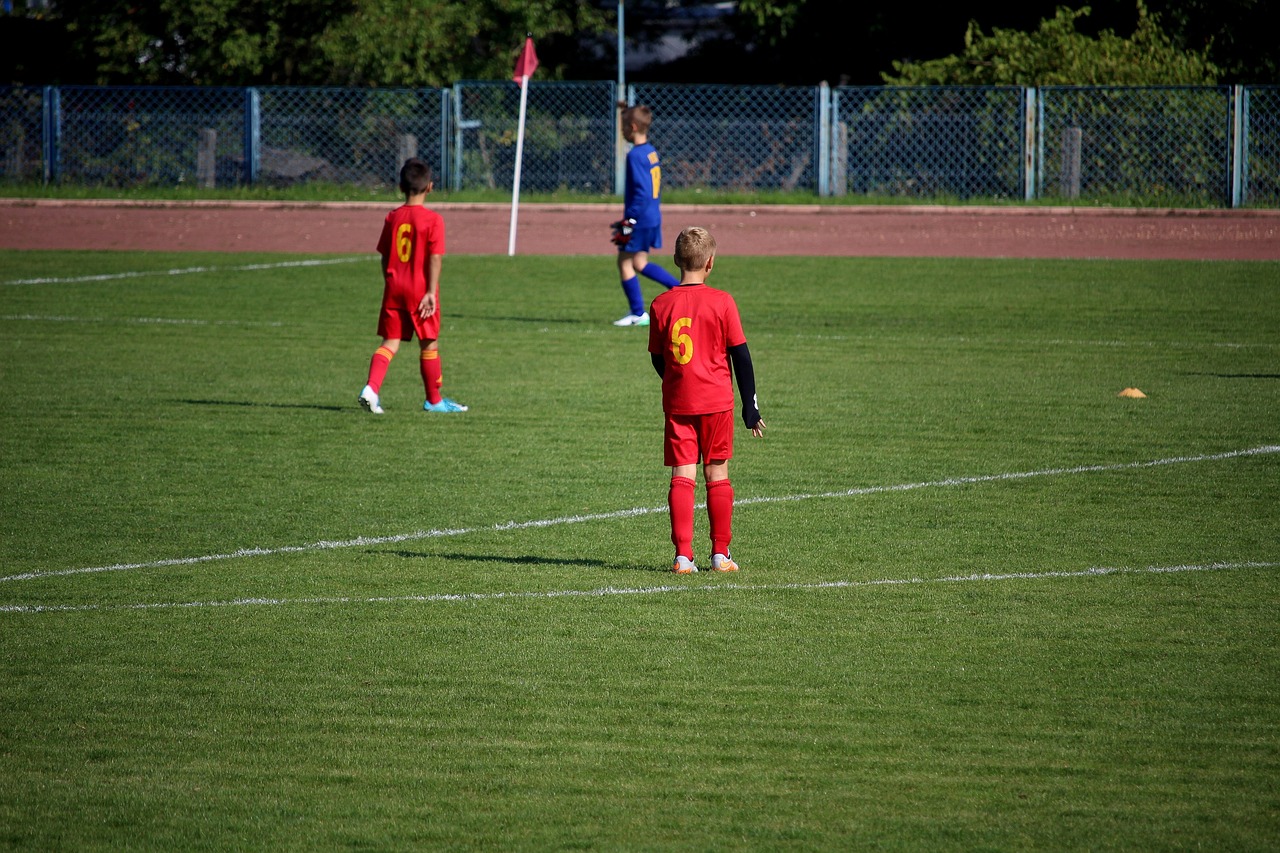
(457, 136)
(1029, 164)
(52, 120)
(824, 139)
(1039, 144)
(1239, 145)
(252, 134)
(446, 173)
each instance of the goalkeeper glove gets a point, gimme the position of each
(622, 231)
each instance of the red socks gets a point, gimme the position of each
(680, 501)
(432, 375)
(378, 368)
(720, 512)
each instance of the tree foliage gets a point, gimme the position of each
(315, 42)
(1058, 54)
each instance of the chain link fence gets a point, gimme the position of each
(1166, 145)
(21, 134)
(570, 136)
(145, 136)
(734, 137)
(356, 137)
(1258, 158)
(1202, 145)
(928, 142)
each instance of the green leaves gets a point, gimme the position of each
(1058, 54)
(366, 43)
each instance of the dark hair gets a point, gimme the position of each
(415, 176)
(639, 115)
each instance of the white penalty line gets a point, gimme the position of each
(1096, 571)
(365, 541)
(79, 279)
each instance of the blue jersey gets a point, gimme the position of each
(642, 195)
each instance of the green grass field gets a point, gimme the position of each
(985, 604)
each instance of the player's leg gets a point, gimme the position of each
(431, 368)
(390, 327)
(720, 514)
(433, 381)
(653, 271)
(680, 449)
(718, 438)
(636, 315)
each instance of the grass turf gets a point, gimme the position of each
(308, 627)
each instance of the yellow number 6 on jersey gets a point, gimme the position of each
(404, 242)
(681, 344)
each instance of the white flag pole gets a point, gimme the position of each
(515, 183)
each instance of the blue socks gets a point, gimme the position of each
(631, 287)
(661, 276)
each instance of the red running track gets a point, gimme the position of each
(582, 229)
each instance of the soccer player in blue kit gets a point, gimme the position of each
(640, 228)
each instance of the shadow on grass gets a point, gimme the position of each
(249, 405)
(531, 560)
(1247, 375)
(542, 320)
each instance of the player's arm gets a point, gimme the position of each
(659, 363)
(427, 306)
(740, 356)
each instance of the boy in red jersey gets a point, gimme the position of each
(695, 334)
(412, 249)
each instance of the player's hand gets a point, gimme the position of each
(758, 429)
(622, 231)
(427, 306)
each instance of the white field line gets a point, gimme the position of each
(1033, 342)
(317, 262)
(611, 590)
(137, 321)
(364, 541)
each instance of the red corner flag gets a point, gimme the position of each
(528, 61)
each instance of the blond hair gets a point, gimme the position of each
(694, 247)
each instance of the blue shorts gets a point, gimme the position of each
(643, 240)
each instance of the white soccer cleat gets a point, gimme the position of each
(369, 401)
(723, 563)
(641, 319)
(683, 566)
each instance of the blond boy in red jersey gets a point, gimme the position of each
(697, 345)
(412, 250)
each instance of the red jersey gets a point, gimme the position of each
(410, 234)
(692, 327)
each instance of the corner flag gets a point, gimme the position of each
(527, 63)
(525, 66)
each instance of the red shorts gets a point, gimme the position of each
(402, 322)
(690, 439)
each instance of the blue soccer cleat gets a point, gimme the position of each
(445, 405)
